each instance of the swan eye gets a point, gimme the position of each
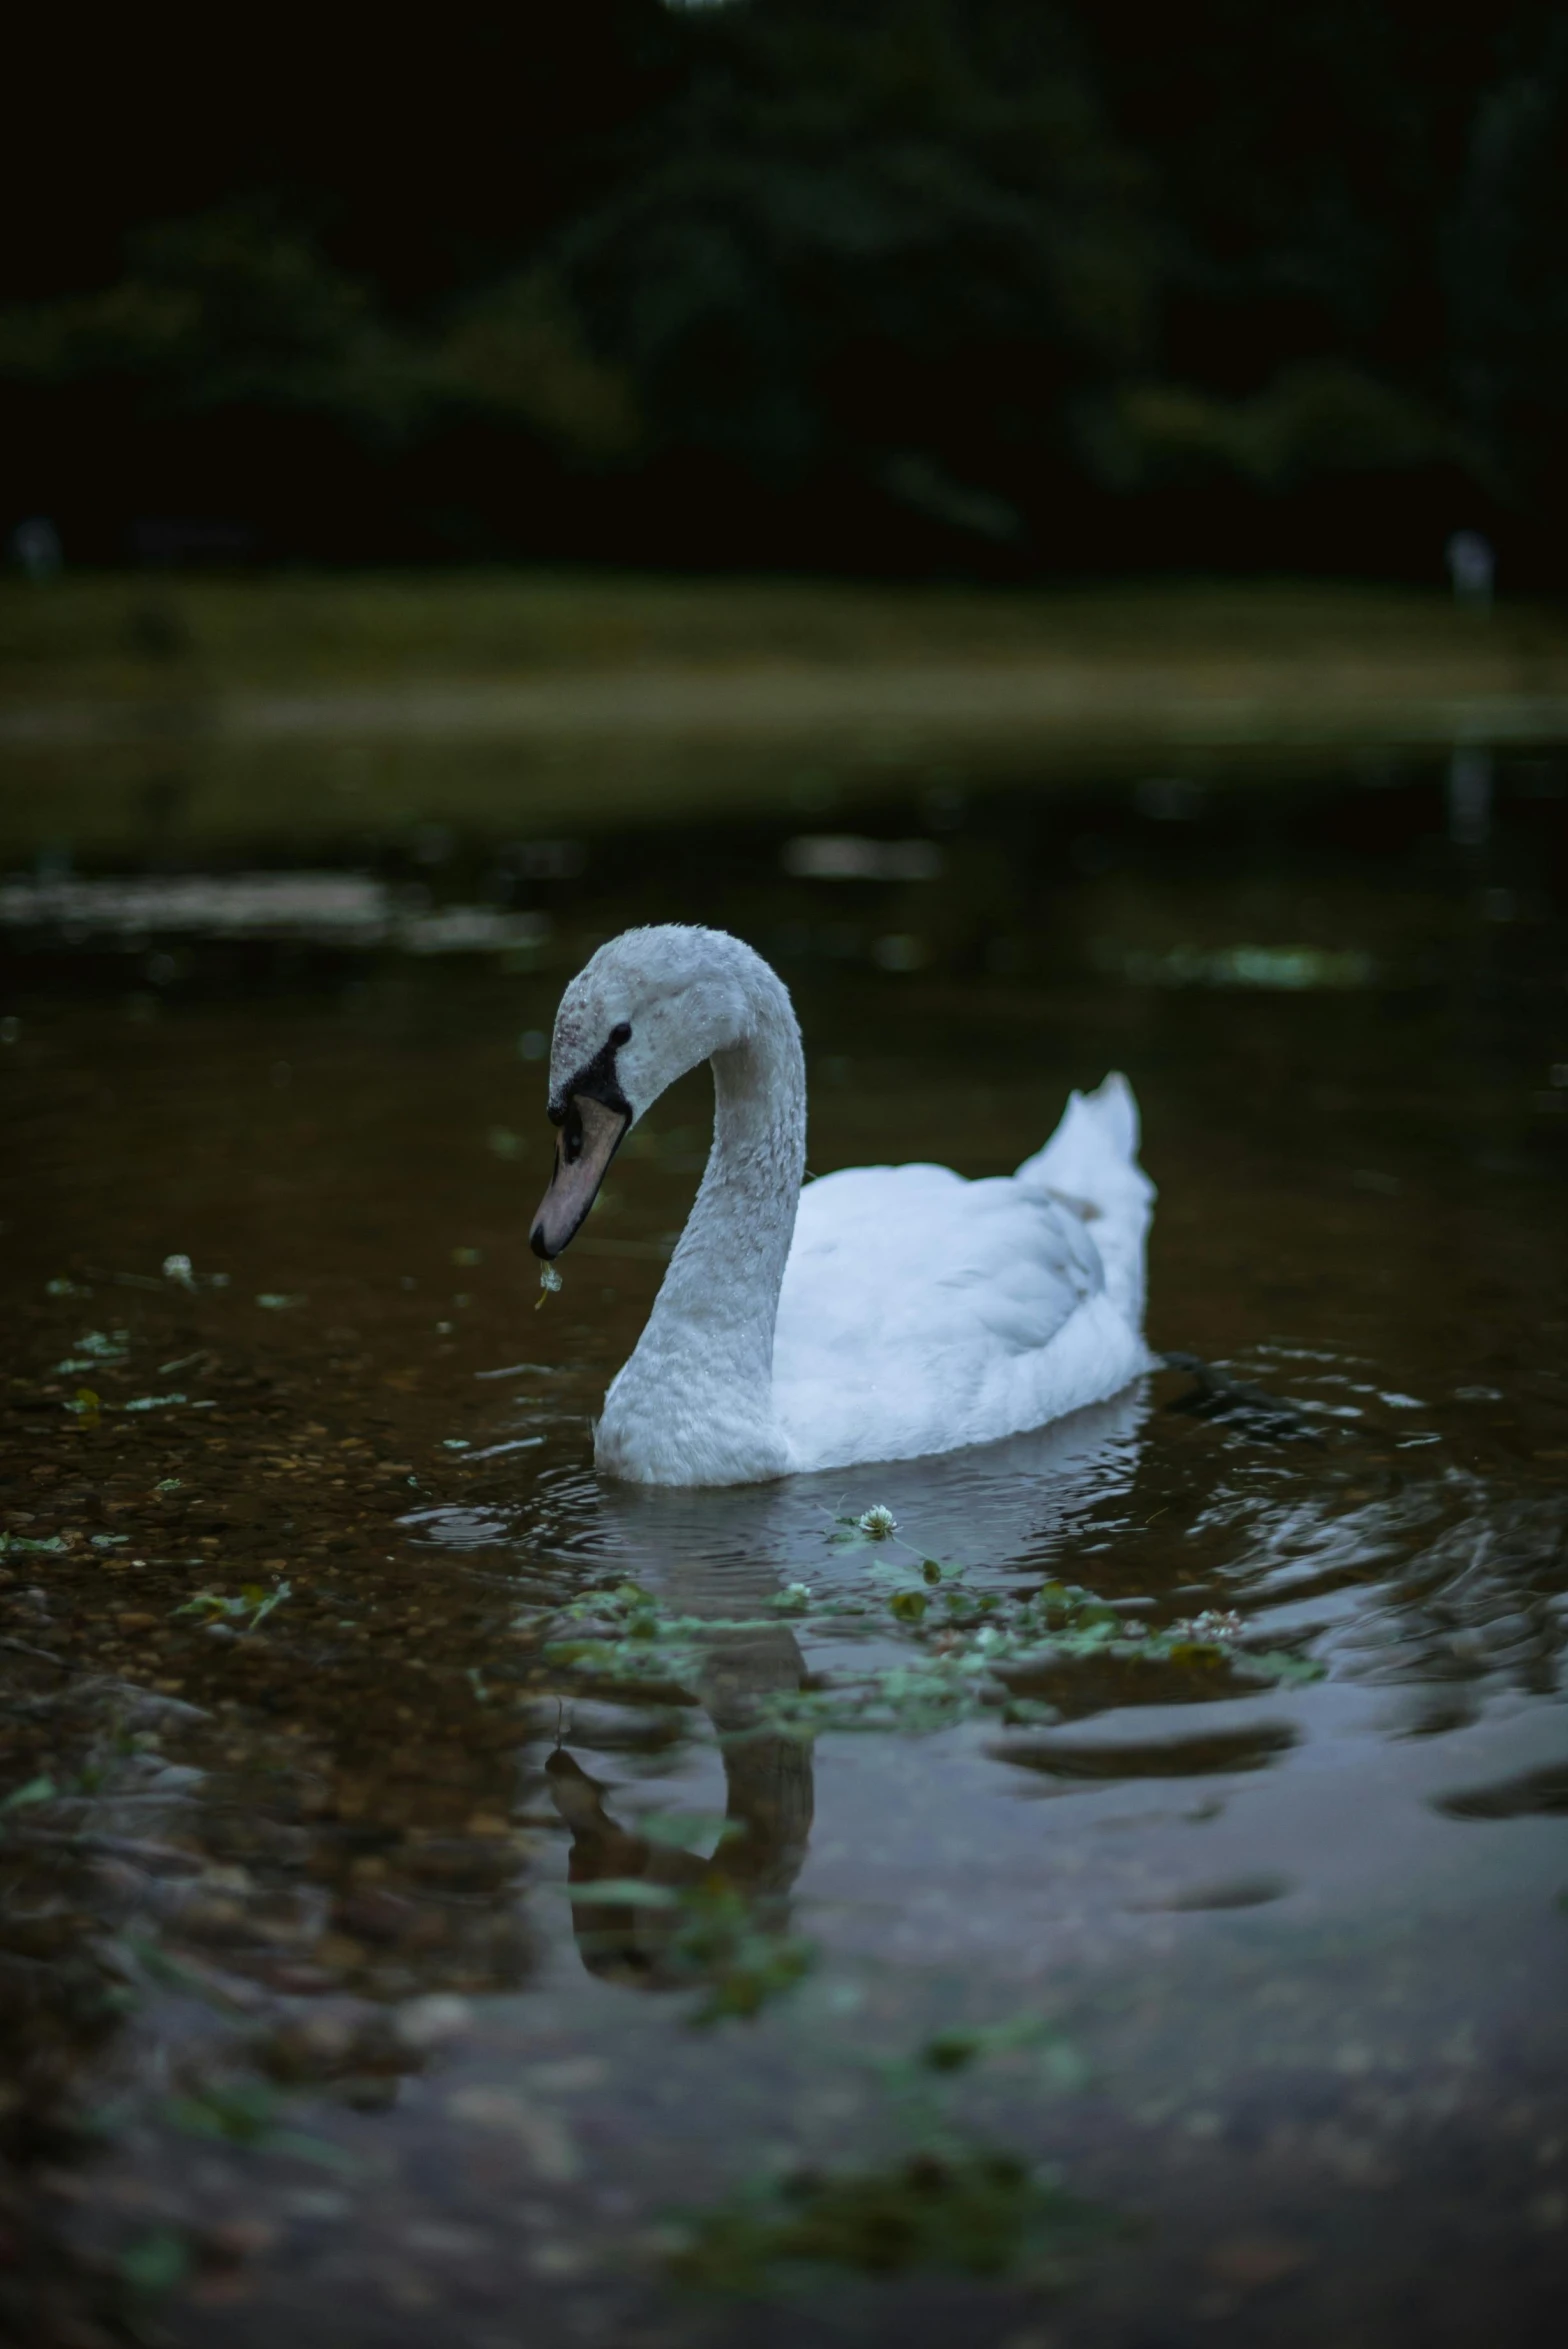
(621, 1033)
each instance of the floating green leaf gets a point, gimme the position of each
(254, 1602)
(156, 2262)
(240, 2112)
(679, 1830)
(625, 1892)
(36, 1790)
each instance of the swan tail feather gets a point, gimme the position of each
(1091, 1163)
(1115, 1104)
(1094, 1147)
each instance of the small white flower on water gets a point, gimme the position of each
(878, 1523)
(549, 1282)
(178, 1269)
(430, 2021)
(1214, 1625)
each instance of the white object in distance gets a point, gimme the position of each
(1472, 566)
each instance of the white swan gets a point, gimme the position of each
(880, 1314)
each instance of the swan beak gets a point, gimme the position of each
(589, 1138)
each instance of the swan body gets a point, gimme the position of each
(884, 1313)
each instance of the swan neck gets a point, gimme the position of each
(730, 1262)
(700, 1383)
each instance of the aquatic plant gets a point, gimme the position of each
(250, 2113)
(154, 2265)
(95, 1350)
(969, 1646)
(945, 2203)
(250, 1606)
(743, 1964)
(980, 2213)
(1212, 1628)
(36, 1790)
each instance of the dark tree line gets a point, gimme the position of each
(875, 283)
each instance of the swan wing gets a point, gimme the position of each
(920, 1311)
(886, 1257)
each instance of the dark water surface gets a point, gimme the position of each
(378, 1969)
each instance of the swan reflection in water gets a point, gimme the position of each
(1003, 1510)
(769, 1792)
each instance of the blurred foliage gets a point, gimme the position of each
(1323, 418)
(229, 309)
(865, 281)
(237, 309)
(863, 227)
(968, 2211)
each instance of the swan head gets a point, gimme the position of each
(649, 1006)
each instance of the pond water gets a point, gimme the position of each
(447, 1898)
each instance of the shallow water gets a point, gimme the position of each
(315, 2018)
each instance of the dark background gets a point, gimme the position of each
(962, 286)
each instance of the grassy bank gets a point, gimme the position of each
(226, 713)
(144, 636)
